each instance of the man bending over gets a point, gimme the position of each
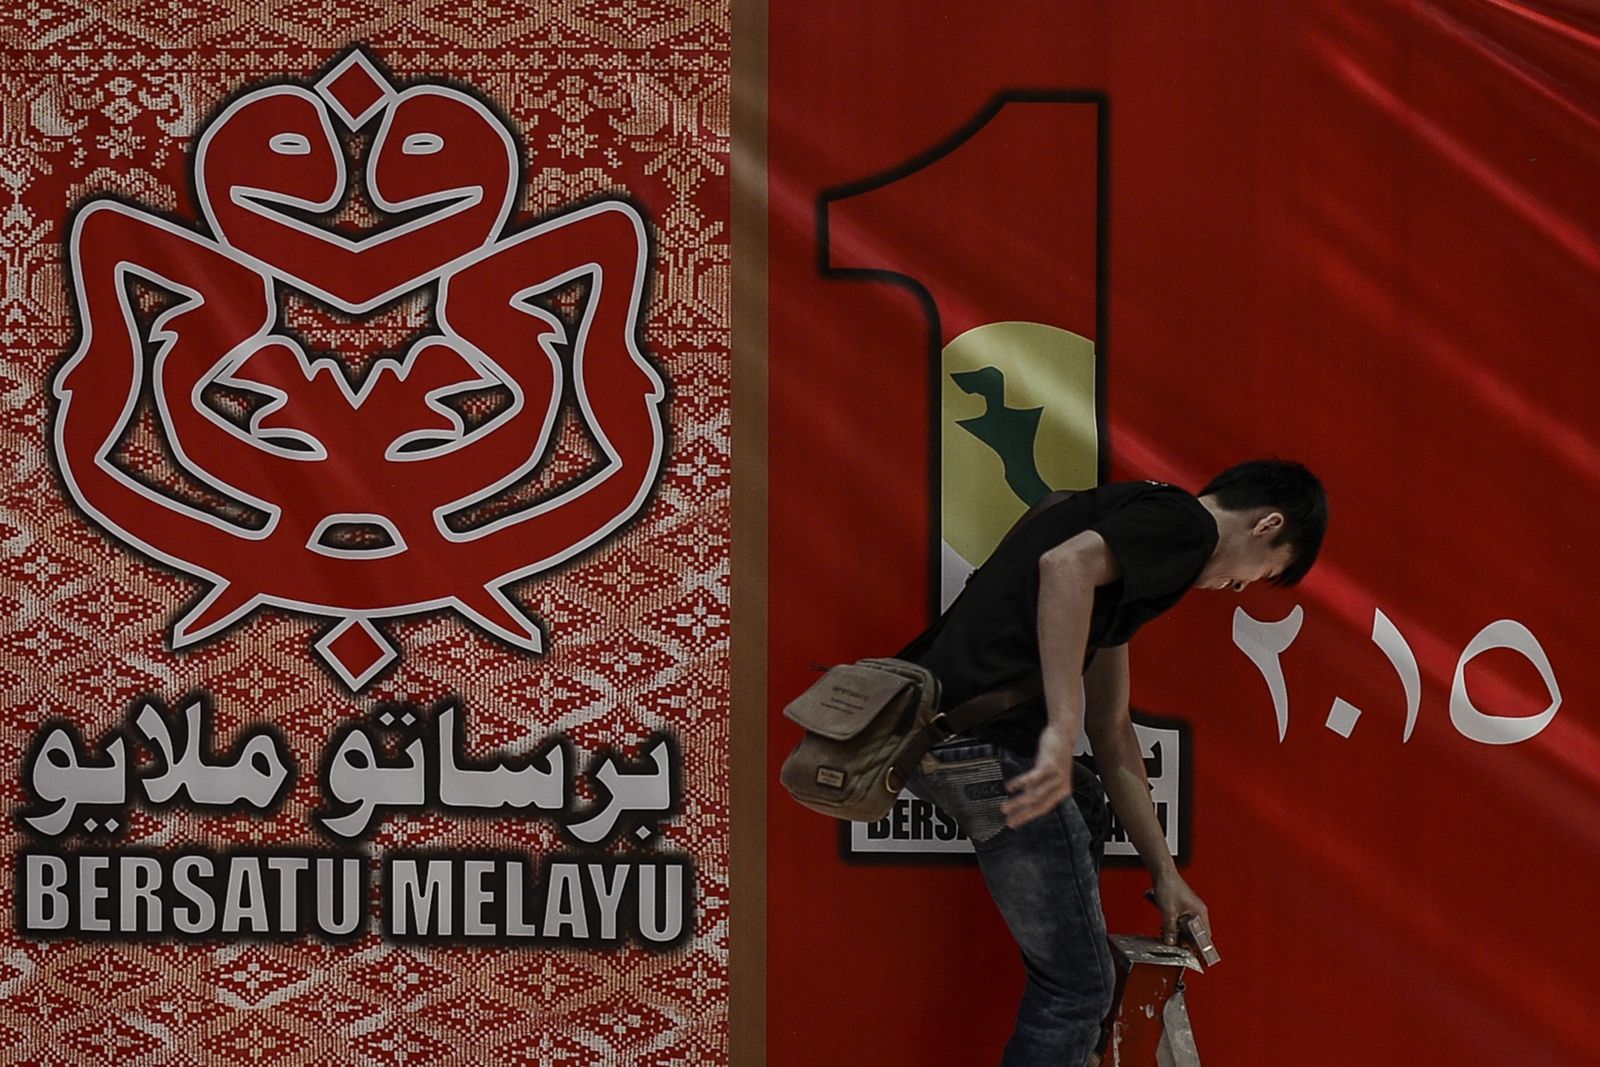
(1061, 596)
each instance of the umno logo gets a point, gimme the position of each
(344, 498)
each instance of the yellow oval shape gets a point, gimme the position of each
(1025, 394)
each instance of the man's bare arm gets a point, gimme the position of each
(1121, 766)
(1068, 575)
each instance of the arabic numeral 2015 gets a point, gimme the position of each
(1265, 642)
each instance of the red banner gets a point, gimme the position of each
(366, 572)
(1354, 234)
(365, 643)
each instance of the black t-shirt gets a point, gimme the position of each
(1162, 538)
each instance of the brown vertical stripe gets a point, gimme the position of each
(747, 963)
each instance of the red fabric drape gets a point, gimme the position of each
(1359, 234)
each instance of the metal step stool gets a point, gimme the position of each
(1148, 1025)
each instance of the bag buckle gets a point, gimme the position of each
(891, 777)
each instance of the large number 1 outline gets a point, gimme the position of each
(1013, 285)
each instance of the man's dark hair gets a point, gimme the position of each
(1286, 487)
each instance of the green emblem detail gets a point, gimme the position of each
(1011, 432)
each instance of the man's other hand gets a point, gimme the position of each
(1175, 899)
(1047, 783)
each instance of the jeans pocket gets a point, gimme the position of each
(1090, 796)
(967, 781)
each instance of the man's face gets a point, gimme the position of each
(1247, 555)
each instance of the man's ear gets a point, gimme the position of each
(1270, 523)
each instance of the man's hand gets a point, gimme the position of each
(1047, 783)
(1175, 899)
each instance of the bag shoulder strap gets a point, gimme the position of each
(958, 720)
(983, 707)
(1043, 504)
(924, 641)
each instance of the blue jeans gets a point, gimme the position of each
(1046, 883)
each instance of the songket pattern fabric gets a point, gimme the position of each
(609, 101)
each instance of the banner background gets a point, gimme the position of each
(1358, 234)
(605, 100)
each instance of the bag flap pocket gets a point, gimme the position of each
(845, 700)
